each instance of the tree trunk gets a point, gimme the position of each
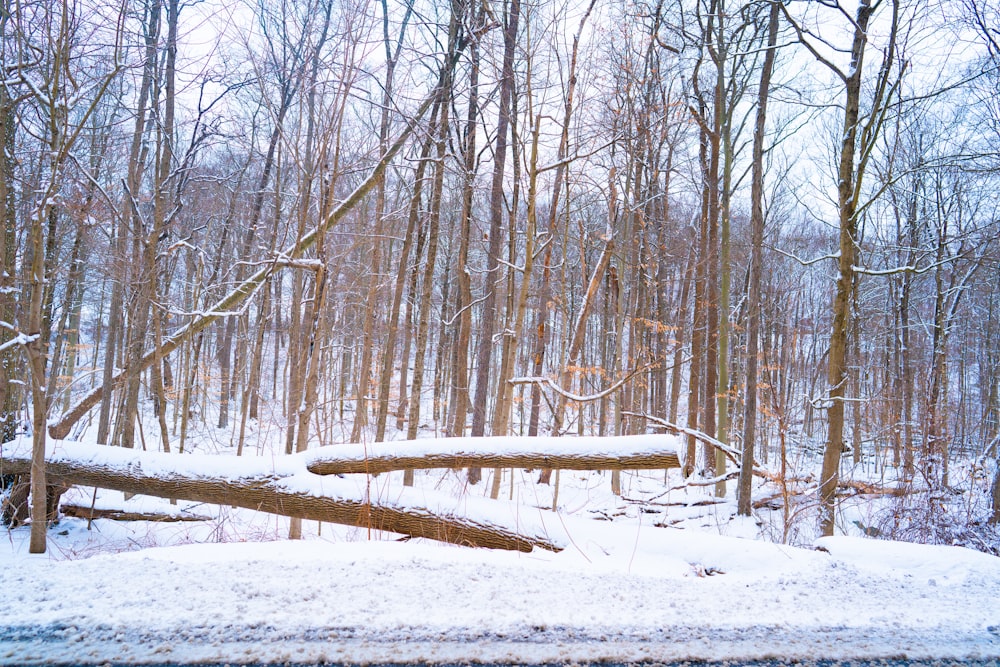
(374, 278)
(725, 195)
(757, 220)
(580, 330)
(389, 353)
(545, 289)
(224, 355)
(680, 318)
(251, 391)
(487, 324)
(427, 286)
(695, 383)
(135, 169)
(501, 409)
(505, 390)
(66, 338)
(848, 177)
(995, 498)
(402, 409)
(711, 261)
(463, 295)
(39, 400)
(11, 366)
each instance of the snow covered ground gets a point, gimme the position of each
(676, 580)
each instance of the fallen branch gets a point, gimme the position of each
(776, 501)
(701, 502)
(870, 489)
(712, 481)
(733, 453)
(90, 513)
(845, 488)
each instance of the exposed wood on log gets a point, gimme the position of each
(84, 512)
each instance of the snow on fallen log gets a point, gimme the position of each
(291, 485)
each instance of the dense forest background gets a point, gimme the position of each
(775, 224)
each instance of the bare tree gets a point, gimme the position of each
(484, 353)
(859, 133)
(757, 220)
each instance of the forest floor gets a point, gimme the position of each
(653, 575)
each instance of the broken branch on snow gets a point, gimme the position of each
(84, 512)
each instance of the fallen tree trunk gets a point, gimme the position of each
(274, 494)
(644, 452)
